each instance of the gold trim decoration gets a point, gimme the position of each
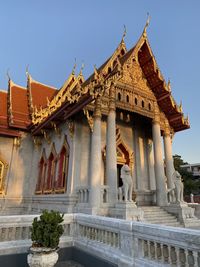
(70, 126)
(17, 141)
(46, 136)
(70, 92)
(3, 173)
(56, 129)
(37, 141)
(89, 118)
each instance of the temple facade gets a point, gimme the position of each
(64, 149)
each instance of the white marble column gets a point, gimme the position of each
(137, 161)
(152, 182)
(161, 195)
(95, 164)
(111, 152)
(168, 158)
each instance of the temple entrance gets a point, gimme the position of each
(124, 156)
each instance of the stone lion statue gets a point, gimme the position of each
(127, 189)
(176, 193)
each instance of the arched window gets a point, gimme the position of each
(61, 182)
(114, 63)
(149, 106)
(51, 170)
(127, 98)
(3, 170)
(42, 174)
(122, 52)
(109, 70)
(143, 103)
(136, 101)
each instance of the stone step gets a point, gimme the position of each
(162, 222)
(166, 219)
(157, 215)
(174, 224)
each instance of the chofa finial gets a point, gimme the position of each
(27, 72)
(8, 75)
(169, 85)
(74, 67)
(82, 67)
(124, 33)
(147, 24)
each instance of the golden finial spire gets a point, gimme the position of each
(169, 85)
(124, 33)
(147, 24)
(74, 68)
(82, 67)
(95, 72)
(27, 72)
(8, 75)
(181, 107)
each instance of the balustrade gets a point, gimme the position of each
(99, 235)
(169, 255)
(136, 242)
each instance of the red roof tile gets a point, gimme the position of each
(3, 109)
(40, 92)
(18, 106)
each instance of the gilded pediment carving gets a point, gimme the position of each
(133, 76)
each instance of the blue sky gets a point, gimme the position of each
(49, 34)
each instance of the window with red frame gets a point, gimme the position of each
(62, 170)
(41, 176)
(49, 183)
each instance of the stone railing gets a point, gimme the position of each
(15, 233)
(166, 246)
(121, 242)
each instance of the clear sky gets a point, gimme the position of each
(49, 34)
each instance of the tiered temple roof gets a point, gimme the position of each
(41, 106)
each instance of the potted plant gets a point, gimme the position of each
(45, 234)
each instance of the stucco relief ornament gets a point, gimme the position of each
(89, 119)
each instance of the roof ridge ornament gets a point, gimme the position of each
(81, 70)
(96, 74)
(124, 34)
(8, 75)
(27, 71)
(74, 67)
(146, 25)
(169, 85)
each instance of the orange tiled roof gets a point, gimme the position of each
(18, 106)
(39, 93)
(3, 109)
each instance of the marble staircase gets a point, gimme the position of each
(157, 215)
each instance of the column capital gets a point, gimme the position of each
(156, 118)
(97, 110)
(167, 131)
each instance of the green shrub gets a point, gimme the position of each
(47, 231)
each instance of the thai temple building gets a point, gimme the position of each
(64, 148)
